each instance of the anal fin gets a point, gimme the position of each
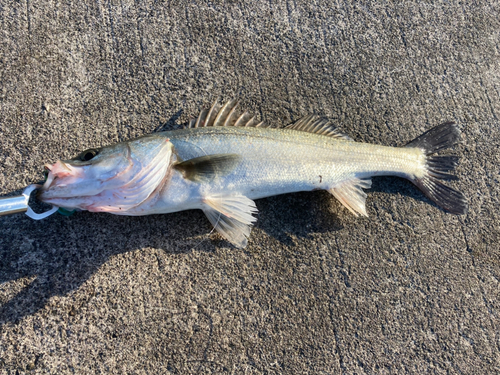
(350, 193)
(232, 216)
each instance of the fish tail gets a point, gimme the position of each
(437, 167)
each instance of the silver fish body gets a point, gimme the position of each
(278, 161)
(222, 169)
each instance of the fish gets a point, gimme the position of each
(224, 160)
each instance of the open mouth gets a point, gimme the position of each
(57, 172)
(59, 169)
(50, 177)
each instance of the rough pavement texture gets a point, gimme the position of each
(409, 290)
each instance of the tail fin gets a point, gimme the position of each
(434, 140)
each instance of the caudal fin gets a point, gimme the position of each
(437, 168)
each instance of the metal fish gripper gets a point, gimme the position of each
(20, 203)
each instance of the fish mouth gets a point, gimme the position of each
(57, 171)
(51, 177)
(62, 178)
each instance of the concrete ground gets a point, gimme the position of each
(412, 289)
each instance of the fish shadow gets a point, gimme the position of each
(298, 215)
(401, 186)
(303, 214)
(55, 256)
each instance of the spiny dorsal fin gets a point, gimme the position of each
(208, 167)
(225, 115)
(232, 216)
(318, 125)
(350, 193)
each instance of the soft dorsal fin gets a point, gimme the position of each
(225, 115)
(350, 193)
(318, 125)
(208, 167)
(232, 216)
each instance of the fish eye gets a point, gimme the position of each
(88, 154)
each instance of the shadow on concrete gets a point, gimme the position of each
(61, 253)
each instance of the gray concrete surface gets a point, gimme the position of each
(409, 290)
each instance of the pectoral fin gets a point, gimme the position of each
(350, 193)
(232, 216)
(208, 167)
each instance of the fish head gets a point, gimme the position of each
(109, 179)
